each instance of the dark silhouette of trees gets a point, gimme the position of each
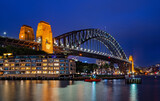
(20, 51)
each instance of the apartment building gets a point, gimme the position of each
(37, 64)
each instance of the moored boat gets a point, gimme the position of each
(92, 80)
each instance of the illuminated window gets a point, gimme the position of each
(62, 64)
(28, 60)
(56, 64)
(16, 61)
(57, 68)
(51, 61)
(23, 64)
(38, 68)
(62, 72)
(61, 68)
(33, 72)
(33, 64)
(6, 65)
(44, 72)
(17, 68)
(39, 60)
(56, 60)
(5, 68)
(22, 68)
(28, 68)
(1, 61)
(70, 61)
(12, 68)
(50, 64)
(44, 60)
(39, 72)
(50, 72)
(61, 60)
(44, 68)
(44, 64)
(12, 64)
(27, 72)
(33, 68)
(33, 60)
(56, 72)
(5, 60)
(50, 68)
(27, 64)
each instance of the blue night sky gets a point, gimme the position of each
(135, 24)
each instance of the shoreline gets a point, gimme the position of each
(54, 77)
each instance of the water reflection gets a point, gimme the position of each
(93, 91)
(133, 92)
(56, 90)
(31, 90)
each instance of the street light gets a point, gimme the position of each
(5, 33)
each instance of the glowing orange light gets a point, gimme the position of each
(80, 54)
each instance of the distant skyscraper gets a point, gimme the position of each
(26, 33)
(44, 36)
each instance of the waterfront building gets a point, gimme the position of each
(37, 64)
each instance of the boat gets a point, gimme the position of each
(92, 80)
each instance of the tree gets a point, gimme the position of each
(106, 66)
(101, 67)
(95, 67)
(111, 65)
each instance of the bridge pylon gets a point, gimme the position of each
(44, 36)
(131, 68)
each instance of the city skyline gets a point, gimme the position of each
(135, 24)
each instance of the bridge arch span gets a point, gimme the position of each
(74, 39)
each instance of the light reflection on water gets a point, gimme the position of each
(55, 90)
(133, 92)
(93, 91)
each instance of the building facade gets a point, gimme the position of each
(37, 64)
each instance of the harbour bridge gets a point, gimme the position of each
(92, 43)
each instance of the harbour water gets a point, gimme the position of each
(61, 90)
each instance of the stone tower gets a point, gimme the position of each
(132, 67)
(26, 33)
(44, 36)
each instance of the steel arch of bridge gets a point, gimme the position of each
(74, 39)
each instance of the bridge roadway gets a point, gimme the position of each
(5, 41)
(92, 54)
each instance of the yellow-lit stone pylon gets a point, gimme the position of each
(131, 60)
(26, 33)
(44, 36)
